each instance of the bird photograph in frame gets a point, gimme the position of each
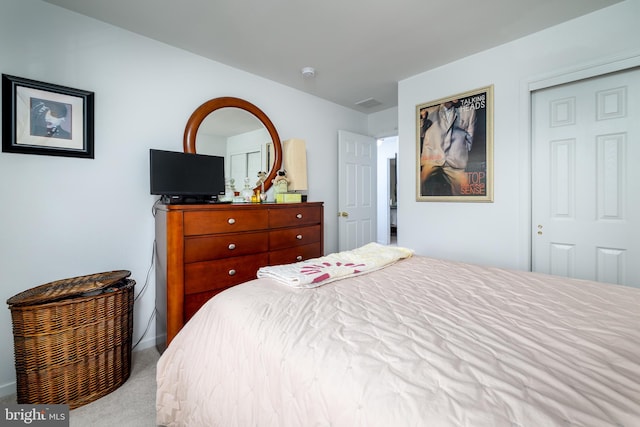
(45, 118)
(455, 148)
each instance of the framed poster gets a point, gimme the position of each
(455, 148)
(43, 118)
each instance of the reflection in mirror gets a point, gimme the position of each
(242, 133)
(241, 139)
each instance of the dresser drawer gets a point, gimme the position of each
(220, 274)
(291, 237)
(224, 221)
(193, 302)
(296, 254)
(294, 216)
(211, 247)
(200, 244)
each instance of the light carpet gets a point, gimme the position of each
(133, 404)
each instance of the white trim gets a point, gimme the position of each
(599, 68)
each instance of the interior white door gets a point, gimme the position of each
(357, 188)
(254, 165)
(245, 165)
(238, 169)
(586, 203)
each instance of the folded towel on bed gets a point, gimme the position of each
(320, 271)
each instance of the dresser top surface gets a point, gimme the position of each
(226, 206)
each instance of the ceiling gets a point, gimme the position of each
(360, 49)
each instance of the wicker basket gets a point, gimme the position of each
(72, 338)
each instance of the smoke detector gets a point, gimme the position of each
(308, 72)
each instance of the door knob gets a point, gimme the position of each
(343, 214)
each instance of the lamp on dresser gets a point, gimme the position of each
(294, 153)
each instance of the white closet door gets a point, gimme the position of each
(586, 196)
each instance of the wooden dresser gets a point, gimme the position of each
(204, 249)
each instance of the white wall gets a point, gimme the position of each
(64, 217)
(383, 123)
(499, 233)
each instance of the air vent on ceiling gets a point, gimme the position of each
(368, 103)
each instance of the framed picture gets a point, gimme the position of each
(43, 118)
(455, 148)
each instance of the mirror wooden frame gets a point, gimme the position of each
(194, 122)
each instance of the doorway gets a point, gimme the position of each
(366, 191)
(387, 204)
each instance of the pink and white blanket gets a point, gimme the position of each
(320, 271)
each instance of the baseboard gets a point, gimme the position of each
(145, 344)
(6, 390)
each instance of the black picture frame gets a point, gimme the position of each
(46, 119)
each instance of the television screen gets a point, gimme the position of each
(177, 174)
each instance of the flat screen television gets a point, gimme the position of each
(186, 178)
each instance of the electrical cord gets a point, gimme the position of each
(151, 265)
(155, 206)
(153, 315)
(146, 284)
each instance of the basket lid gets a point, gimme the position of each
(66, 288)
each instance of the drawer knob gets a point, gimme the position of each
(299, 237)
(232, 246)
(231, 221)
(299, 216)
(299, 258)
(232, 272)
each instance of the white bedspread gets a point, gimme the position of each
(423, 342)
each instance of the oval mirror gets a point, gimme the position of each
(242, 133)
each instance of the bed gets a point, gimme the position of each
(420, 342)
